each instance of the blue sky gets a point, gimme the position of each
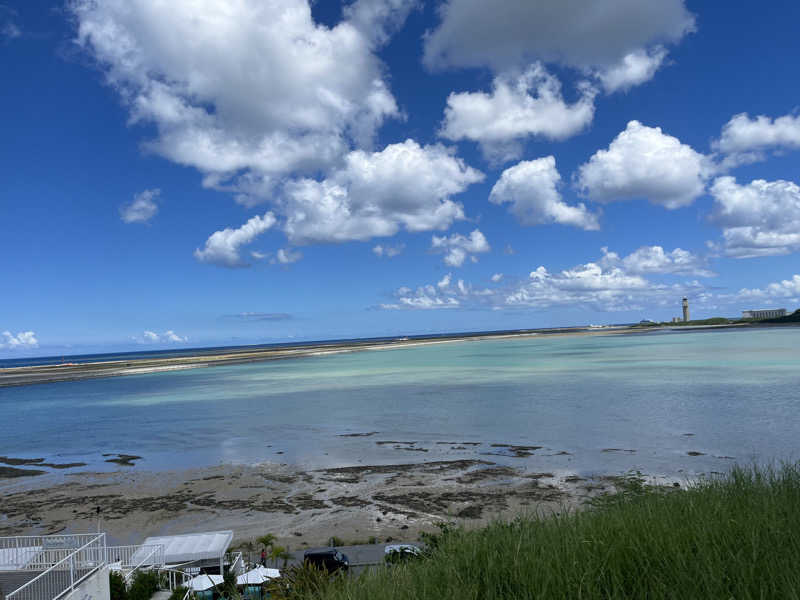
(208, 173)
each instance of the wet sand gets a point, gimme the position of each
(301, 507)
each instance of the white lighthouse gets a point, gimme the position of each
(685, 310)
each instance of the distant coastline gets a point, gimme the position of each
(77, 371)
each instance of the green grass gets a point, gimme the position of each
(736, 536)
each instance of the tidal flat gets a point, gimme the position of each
(383, 443)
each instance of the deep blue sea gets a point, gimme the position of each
(594, 403)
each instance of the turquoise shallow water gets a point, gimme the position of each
(736, 392)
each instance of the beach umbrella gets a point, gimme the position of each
(204, 582)
(257, 576)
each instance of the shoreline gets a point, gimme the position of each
(31, 375)
(302, 508)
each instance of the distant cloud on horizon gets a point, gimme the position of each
(259, 316)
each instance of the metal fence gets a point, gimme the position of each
(65, 567)
(37, 552)
(133, 557)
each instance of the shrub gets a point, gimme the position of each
(144, 585)
(117, 584)
(178, 593)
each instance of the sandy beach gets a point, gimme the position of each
(300, 507)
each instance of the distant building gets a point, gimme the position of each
(772, 313)
(676, 319)
(685, 309)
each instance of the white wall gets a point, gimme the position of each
(94, 588)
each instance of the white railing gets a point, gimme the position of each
(235, 562)
(147, 560)
(37, 552)
(132, 557)
(62, 576)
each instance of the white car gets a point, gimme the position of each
(394, 553)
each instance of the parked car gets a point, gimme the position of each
(395, 553)
(329, 559)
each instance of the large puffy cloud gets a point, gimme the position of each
(245, 91)
(610, 288)
(222, 247)
(374, 194)
(142, 208)
(745, 139)
(528, 104)
(457, 247)
(507, 32)
(531, 188)
(761, 218)
(643, 162)
(654, 259)
(23, 340)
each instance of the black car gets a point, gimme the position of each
(329, 559)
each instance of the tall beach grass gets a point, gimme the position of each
(733, 536)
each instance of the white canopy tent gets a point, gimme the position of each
(198, 549)
(257, 576)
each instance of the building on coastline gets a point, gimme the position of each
(77, 566)
(676, 319)
(770, 313)
(685, 310)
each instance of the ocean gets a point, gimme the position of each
(664, 403)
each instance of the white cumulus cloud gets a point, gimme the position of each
(222, 247)
(643, 162)
(610, 284)
(246, 91)
(169, 336)
(508, 33)
(142, 208)
(457, 247)
(761, 218)
(745, 139)
(531, 188)
(654, 259)
(22, 340)
(374, 194)
(528, 104)
(787, 288)
(633, 69)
